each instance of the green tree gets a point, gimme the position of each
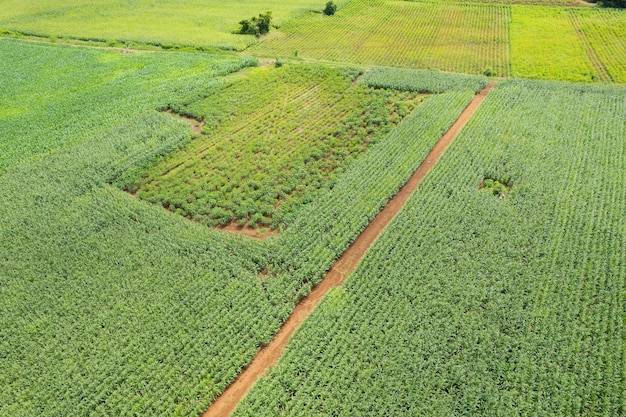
(256, 26)
(330, 8)
(613, 3)
(263, 22)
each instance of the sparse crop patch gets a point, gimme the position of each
(271, 141)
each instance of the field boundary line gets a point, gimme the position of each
(269, 355)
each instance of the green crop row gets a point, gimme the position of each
(471, 38)
(472, 304)
(420, 81)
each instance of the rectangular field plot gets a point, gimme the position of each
(508, 306)
(470, 38)
(545, 45)
(273, 139)
(604, 33)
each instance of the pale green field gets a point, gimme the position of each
(544, 45)
(604, 31)
(198, 23)
(530, 41)
(470, 38)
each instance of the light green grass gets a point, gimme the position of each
(470, 38)
(54, 96)
(199, 23)
(544, 45)
(605, 32)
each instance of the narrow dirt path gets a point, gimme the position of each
(268, 356)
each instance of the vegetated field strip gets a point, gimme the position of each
(601, 70)
(468, 38)
(545, 45)
(345, 265)
(277, 137)
(604, 31)
(47, 101)
(200, 23)
(508, 306)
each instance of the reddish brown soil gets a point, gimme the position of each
(268, 356)
(196, 125)
(255, 233)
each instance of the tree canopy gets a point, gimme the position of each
(257, 25)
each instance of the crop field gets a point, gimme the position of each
(471, 38)
(52, 97)
(174, 194)
(112, 306)
(577, 44)
(198, 23)
(482, 304)
(552, 3)
(91, 281)
(545, 45)
(277, 137)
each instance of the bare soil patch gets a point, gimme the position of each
(268, 355)
(196, 125)
(259, 233)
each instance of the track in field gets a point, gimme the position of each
(269, 355)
